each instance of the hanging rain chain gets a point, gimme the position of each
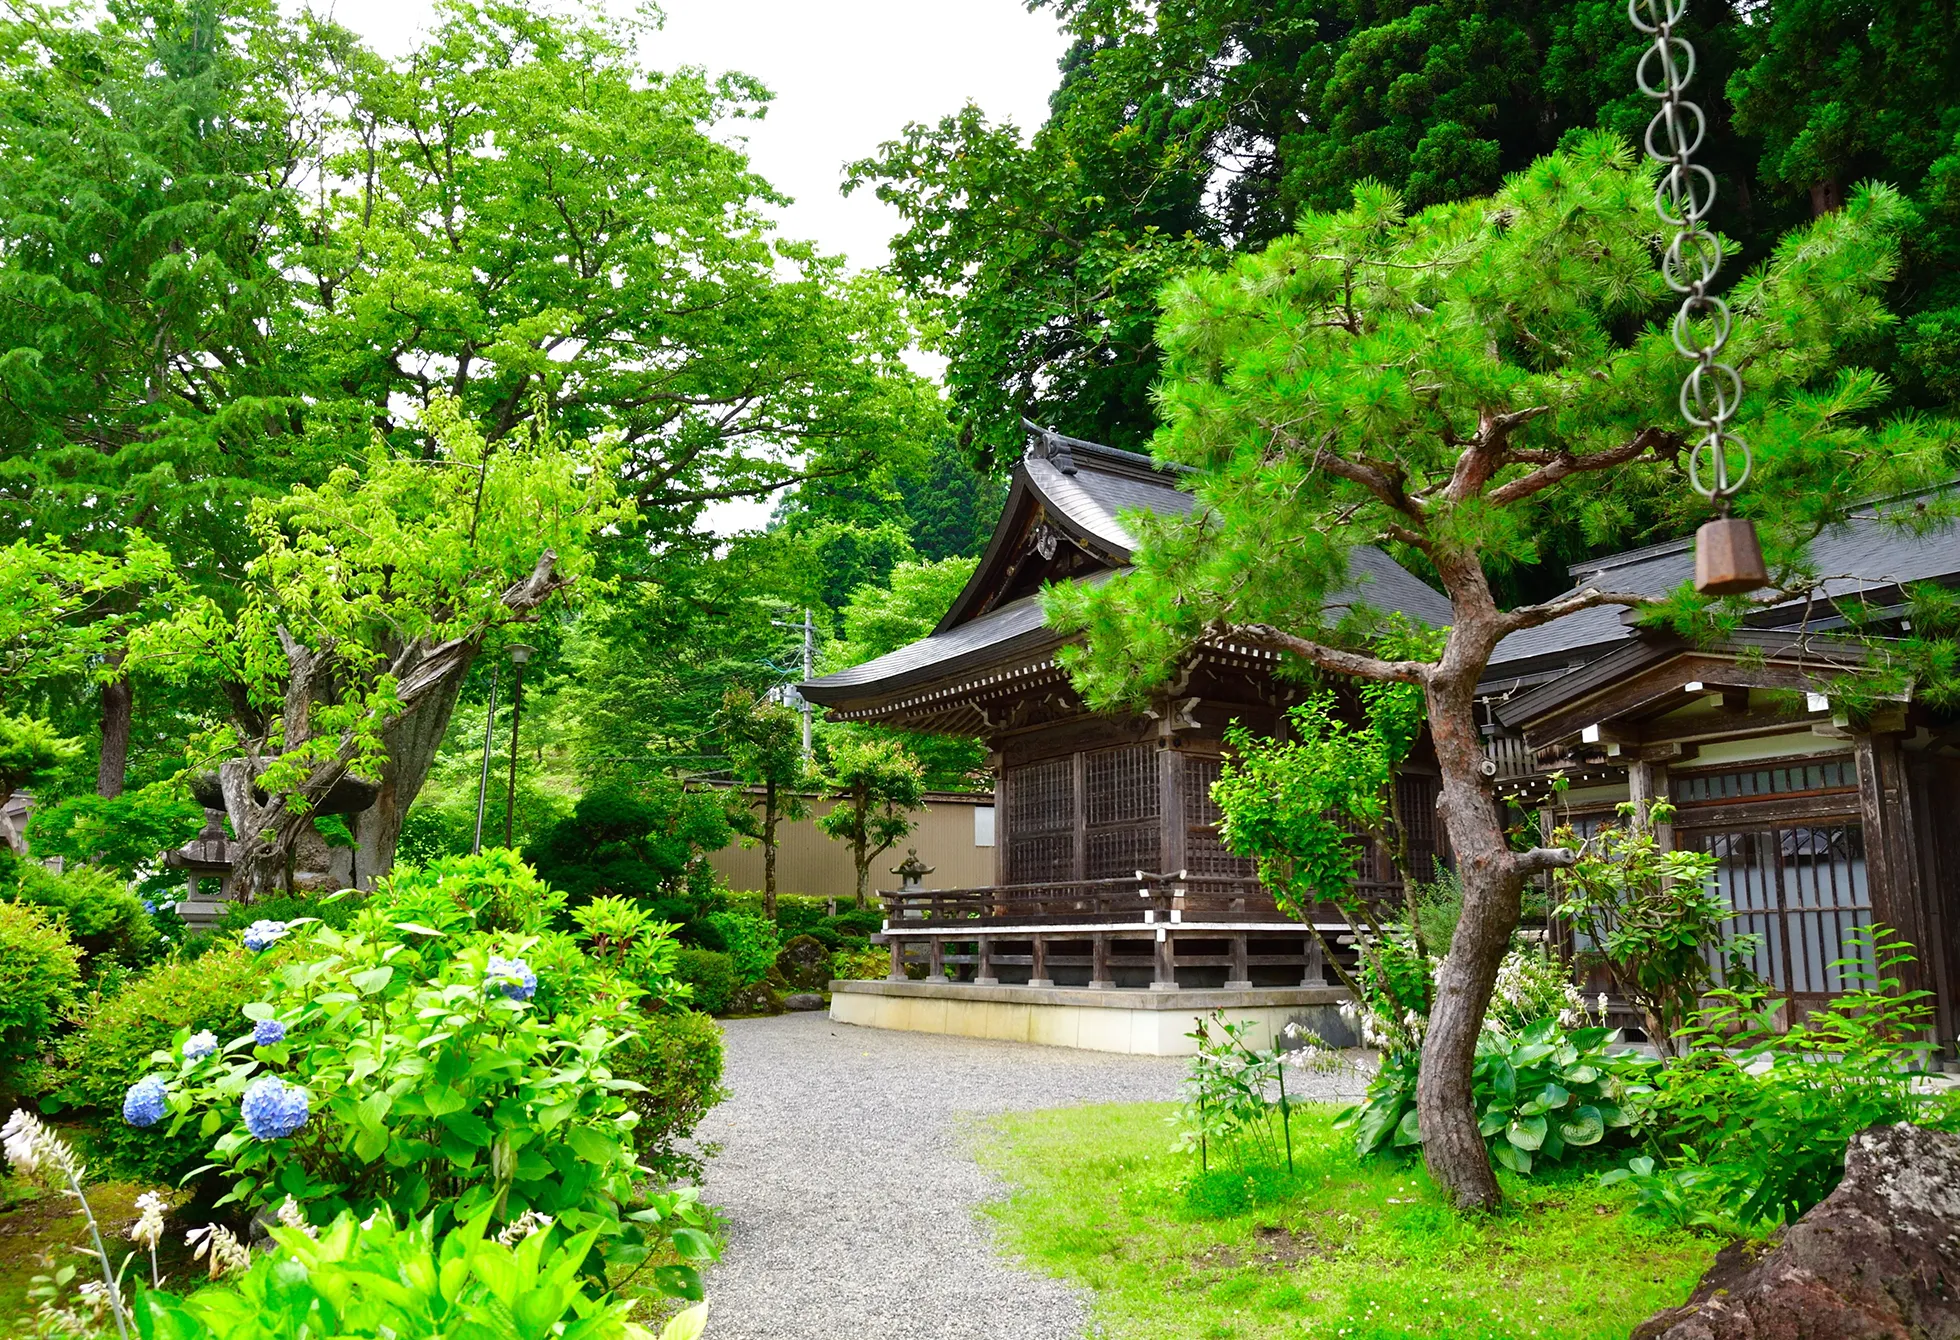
(1728, 560)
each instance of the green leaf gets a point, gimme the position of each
(467, 1126)
(1526, 1133)
(1584, 1126)
(1517, 1160)
(373, 980)
(1408, 1131)
(592, 1145)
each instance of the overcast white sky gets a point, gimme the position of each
(847, 74)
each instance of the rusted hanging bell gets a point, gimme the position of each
(1728, 561)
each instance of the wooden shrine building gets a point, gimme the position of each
(1111, 892)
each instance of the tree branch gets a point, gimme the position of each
(1328, 658)
(1533, 616)
(1562, 464)
(1540, 859)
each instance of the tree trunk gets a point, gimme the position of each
(266, 834)
(1826, 197)
(118, 707)
(769, 817)
(411, 743)
(1451, 1145)
(861, 854)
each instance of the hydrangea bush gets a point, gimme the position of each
(424, 1064)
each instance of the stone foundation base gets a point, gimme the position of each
(1143, 1023)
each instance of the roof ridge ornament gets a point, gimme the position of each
(1051, 446)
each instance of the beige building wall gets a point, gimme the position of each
(955, 835)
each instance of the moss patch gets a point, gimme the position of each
(1335, 1248)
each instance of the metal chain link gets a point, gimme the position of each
(1712, 391)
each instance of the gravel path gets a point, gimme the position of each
(848, 1198)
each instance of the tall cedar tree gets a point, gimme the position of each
(1444, 385)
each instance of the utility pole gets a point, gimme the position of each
(483, 782)
(519, 654)
(809, 629)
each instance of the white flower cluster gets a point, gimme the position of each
(1533, 984)
(147, 1231)
(1312, 1052)
(291, 1216)
(224, 1251)
(1381, 1031)
(34, 1150)
(523, 1227)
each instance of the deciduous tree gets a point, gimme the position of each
(877, 785)
(369, 596)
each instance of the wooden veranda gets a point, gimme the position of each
(1167, 931)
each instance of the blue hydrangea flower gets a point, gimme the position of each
(260, 934)
(273, 1109)
(268, 1031)
(149, 907)
(512, 977)
(200, 1045)
(143, 1104)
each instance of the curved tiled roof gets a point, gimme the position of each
(1870, 552)
(1085, 490)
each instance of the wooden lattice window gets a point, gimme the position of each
(1121, 785)
(1782, 779)
(1204, 854)
(1040, 833)
(1801, 889)
(1415, 797)
(1121, 809)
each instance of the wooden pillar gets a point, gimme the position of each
(1166, 979)
(1099, 970)
(1240, 980)
(1648, 782)
(1002, 836)
(1316, 973)
(1039, 975)
(898, 960)
(1891, 867)
(983, 971)
(1170, 808)
(936, 960)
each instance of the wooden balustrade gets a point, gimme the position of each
(1145, 899)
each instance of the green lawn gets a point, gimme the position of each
(1337, 1249)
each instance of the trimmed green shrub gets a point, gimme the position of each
(678, 1056)
(104, 916)
(39, 966)
(111, 1051)
(750, 943)
(860, 965)
(710, 973)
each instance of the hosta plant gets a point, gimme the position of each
(1540, 1092)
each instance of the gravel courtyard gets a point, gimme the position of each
(848, 1197)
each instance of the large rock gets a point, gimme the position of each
(804, 963)
(1878, 1259)
(755, 998)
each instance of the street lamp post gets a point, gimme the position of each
(519, 654)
